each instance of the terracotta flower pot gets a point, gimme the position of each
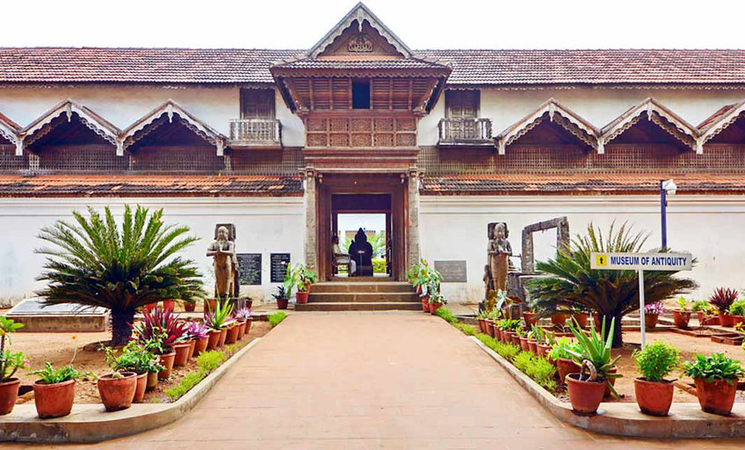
(152, 380)
(213, 339)
(559, 320)
(167, 362)
(530, 319)
(182, 350)
(169, 304)
(543, 350)
(248, 326)
(150, 306)
(210, 305)
(192, 347)
(117, 393)
(524, 344)
(585, 396)
(223, 337)
(533, 346)
(612, 382)
(241, 329)
(515, 339)
(654, 397)
(681, 318)
(282, 303)
(726, 320)
(582, 319)
(716, 397)
(54, 400)
(481, 324)
(141, 386)
(425, 304)
(200, 345)
(650, 320)
(736, 320)
(499, 334)
(597, 319)
(433, 307)
(189, 306)
(301, 297)
(8, 395)
(490, 330)
(231, 337)
(565, 367)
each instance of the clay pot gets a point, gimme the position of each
(584, 395)
(140, 387)
(150, 306)
(726, 320)
(210, 305)
(717, 396)
(565, 367)
(248, 326)
(524, 344)
(498, 334)
(213, 339)
(515, 339)
(169, 304)
(189, 306)
(301, 297)
(490, 330)
(282, 303)
(167, 362)
(223, 337)
(543, 350)
(54, 400)
(650, 321)
(681, 319)
(533, 346)
(530, 319)
(559, 320)
(597, 320)
(736, 320)
(425, 304)
(582, 319)
(241, 330)
(200, 345)
(654, 397)
(8, 395)
(433, 307)
(117, 393)
(481, 324)
(192, 347)
(612, 382)
(152, 380)
(231, 337)
(182, 350)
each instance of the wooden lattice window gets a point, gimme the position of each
(462, 104)
(257, 104)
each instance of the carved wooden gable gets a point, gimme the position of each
(360, 42)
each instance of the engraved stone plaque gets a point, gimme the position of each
(452, 271)
(249, 265)
(278, 266)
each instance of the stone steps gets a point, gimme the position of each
(365, 297)
(359, 306)
(361, 287)
(361, 296)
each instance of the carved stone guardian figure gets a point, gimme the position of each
(222, 250)
(499, 251)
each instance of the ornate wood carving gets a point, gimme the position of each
(350, 130)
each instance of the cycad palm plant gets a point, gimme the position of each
(96, 262)
(569, 282)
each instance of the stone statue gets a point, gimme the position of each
(225, 263)
(499, 252)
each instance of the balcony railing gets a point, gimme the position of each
(465, 132)
(255, 133)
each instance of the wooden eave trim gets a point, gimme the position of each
(719, 125)
(281, 72)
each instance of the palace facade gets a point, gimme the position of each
(280, 142)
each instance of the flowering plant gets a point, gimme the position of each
(654, 308)
(162, 325)
(242, 314)
(195, 330)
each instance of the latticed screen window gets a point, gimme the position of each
(462, 104)
(257, 104)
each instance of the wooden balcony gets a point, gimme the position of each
(255, 133)
(465, 132)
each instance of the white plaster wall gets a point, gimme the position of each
(710, 227)
(123, 105)
(598, 106)
(263, 225)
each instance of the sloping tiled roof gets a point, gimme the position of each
(411, 63)
(148, 186)
(474, 67)
(581, 184)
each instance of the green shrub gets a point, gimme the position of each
(737, 308)
(447, 315)
(702, 305)
(487, 340)
(185, 385)
(211, 360)
(378, 265)
(542, 372)
(714, 367)
(561, 348)
(468, 330)
(507, 351)
(522, 360)
(276, 318)
(656, 361)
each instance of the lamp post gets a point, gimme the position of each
(666, 188)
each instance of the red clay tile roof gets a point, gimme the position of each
(581, 184)
(474, 67)
(148, 186)
(412, 63)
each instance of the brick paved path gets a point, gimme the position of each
(401, 381)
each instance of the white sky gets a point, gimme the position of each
(420, 24)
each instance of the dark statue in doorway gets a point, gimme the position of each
(361, 251)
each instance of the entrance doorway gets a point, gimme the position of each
(365, 217)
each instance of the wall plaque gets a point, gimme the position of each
(249, 268)
(452, 271)
(278, 266)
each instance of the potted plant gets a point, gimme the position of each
(282, 297)
(135, 358)
(737, 311)
(117, 389)
(535, 335)
(531, 318)
(580, 316)
(161, 331)
(652, 313)
(559, 353)
(523, 339)
(559, 319)
(54, 391)
(482, 315)
(593, 354)
(716, 378)
(9, 365)
(218, 322)
(682, 316)
(544, 345)
(301, 278)
(722, 299)
(705, 311)
(435, 302)
(200, 335)
(243, 316)
(654, 394)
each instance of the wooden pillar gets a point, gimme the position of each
(413, 216)
(311, 223)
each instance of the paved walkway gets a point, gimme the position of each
(345, 381)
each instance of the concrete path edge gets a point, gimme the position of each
(91, 423)
(686, 420)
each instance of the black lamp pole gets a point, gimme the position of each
(663, 210)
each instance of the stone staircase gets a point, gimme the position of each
(361, 296)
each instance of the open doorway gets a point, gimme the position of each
(365, 249)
